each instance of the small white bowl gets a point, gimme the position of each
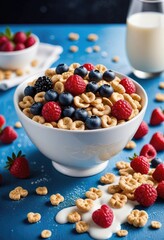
(79, 153)
(19, 59)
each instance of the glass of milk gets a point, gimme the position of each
(145, 37)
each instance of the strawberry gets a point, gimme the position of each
(3, 39)
(160, 189)
(7, 47)
(89, 66)
(148, 151)
(157, 141)
(157, 117)
(75, 85)
(121, 110)
(20, 37)
(158, 174)
(103, 216)
(8, 135)
(140, 164)
(19, 46)
(51, 111)
(2, 121)
(141, 131)
(146, 195)
(18, 165)
(128, 85)
(30, 41)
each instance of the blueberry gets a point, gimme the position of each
(61, 68)
(108, 75)
(106, 90)
(36, 108)
(30, 91)
(95, 75)
(68, 111)
(65, 98)
(155, 162)
(92, 87)
(81, 71)
(93, 122)
(80, 114)
(51, 95)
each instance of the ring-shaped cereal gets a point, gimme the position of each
(26, 102)
(100, 113)
(50, 72)
(107, 101)
(38, 119)
(56, 78)
(59, 87)
(27, 112)
(48, 124)
(65, 123)
(88, 97)
(130, 100)
(107, 121)
(118, 87)
(101, 68)
(73, 66)
(80, 103)
(39, 97)
(77, 125)
(115, 97)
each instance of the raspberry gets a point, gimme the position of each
(51, 111)
(43, 84)
(142, 130)
(121, 110)
(157, 141)
(8, 135)
(148, 151)
(140, 164)
(158, 174)
(89, 66)
(128, 85)
(20, 37)
(103, 216)
(2, 121)
(19, 46)
(157, 117)
(7, 47)
(75, 85)
(160, 189)
(30, 41)
(146, 195)
(3, 39)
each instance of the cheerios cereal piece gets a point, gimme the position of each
(73, 36)
(33, 217)
(100, 112)
(73, 217)
(116, 59)
(92, 37)
(118, 200)
(122, 165)
(126, 171)
(66, 75)
(48, 124)
(101, 68)
(32, 83)
(118, 87)
(128, 183)
(56, 78)
(41, 190)
(39, 97)
(156, 224)
(54, 124)
(136, 97)
(18, 193)
(38, 119)
(93, 193)
(106, 101)
(55, 199)
(96, 48)
(102, 82)
(159, 97)
(134, 113)
(34, 63)
(119, 122)
(74, 48)
(77, 125)
(107, 121)
(18, 125)
(130, 145)
(115, 97)
(65, 123)
(130, 100)
(46, 233)
(107, 178)
(8, 74)
(84, 205)
(137, 218)
(88, 50)
(112, 189)
(19, 72)
(73, 66)
(88, 97)
(122, 233)
(27, 112)
(26, 102)
(50, 72)
(82, 227)
(161, 85)
(98, 100)
(130, 195)
(80, 103)
(59, 87)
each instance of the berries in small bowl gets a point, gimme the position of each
(17, 49)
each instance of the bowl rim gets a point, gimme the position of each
(28, 79)
(19, 52)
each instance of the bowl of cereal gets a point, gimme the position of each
(79, 116)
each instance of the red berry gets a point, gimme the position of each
(2, 121)
(160, 189)
(142, 130)
(75, 85)
(7, 47)
(19, 46)
(140, 164)
(103, 216)
(30, 41)
(157, 117)
(146, 195)
(20, 37)
(157, 141)
(8, 135)
(158, 174)
(3, 39)
(148, 151)
(121, 110)
(51, 111)
(18, 166)
(89, 66)
(128, 85)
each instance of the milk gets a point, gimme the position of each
(145, 41)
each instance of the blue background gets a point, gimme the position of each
(13, 222)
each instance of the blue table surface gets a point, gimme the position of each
(13, 222)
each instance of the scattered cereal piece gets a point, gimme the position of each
(130, 145)
(19, 72)
(92, 37)
(93, 193)
(161, 85)
(107, 178)
(73, 217)
(126, 171)
(73, 36)
(122, 165)
(96, 48)
(18, 125)
(122, 233)
(128, 183)
(156, 224)
(137, 218)
(34, 63)
(55, 199)
(159, 97)
(33, 217)
(118, 200)
(82, 227)
(50, 72)
(84, 205)
(8, 74)
(46, 233)
(115, 59)
(18, 193)
(74, 48)
(88, 50)
(41, 190)
(114, 189)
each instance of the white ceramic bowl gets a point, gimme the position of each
(19, 59)
(79, 153)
